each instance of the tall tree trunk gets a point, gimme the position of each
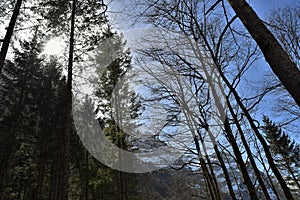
(41, 169)
(51, 183)
(121, 188)
(288, 166)
(218, 103)
(9, 33)
(59, 172)
(86, 175)
(208, 170)
(118, 129)
(214, 179)
(126, 187)
(247, 148)
(280, 62)
(66, 152)
(239, 159)
(263, 142)
(267, 173)
(225, 171)
(208, 179)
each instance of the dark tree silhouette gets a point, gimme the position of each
(9, 33)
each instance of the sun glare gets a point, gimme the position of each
(54, 47)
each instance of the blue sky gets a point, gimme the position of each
(264, 7)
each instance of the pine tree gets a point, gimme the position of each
(86, 30)
(90, 179)
(285, 151)
(19, 80)
(32, 99)
(113, 99)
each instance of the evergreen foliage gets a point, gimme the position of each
(114, 99)
(285, 152)
(32, 101)
(41, 154)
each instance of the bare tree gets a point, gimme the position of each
(285, 24)
(278, 59)
(220, 42)
(181, 100)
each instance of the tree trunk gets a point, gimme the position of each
(225, 171)
(248, 150)
(279, 61)
(66, 152)
(9, 33)
(86, 175)
(208, 169)
(264, 144)
(239, 159)
(292, 173)
(51, 183)
(214, 179)
(209, 181)
(41, 170)
(267, 173)
(59, 173)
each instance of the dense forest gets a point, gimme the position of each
(202, 104)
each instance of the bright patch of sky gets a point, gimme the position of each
(54, 47)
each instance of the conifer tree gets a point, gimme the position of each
(87, 28)
(33, 103)
(285, 150)
(113, 99)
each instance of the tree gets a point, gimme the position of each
(278, 59)
(89, 18)
(17, 83)
(66, 152)
(9, 33)
(33, 103)
(249, 153)
(285, 151)
(284, 24)
(218, 39)
(192, 76)
(114, 99)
